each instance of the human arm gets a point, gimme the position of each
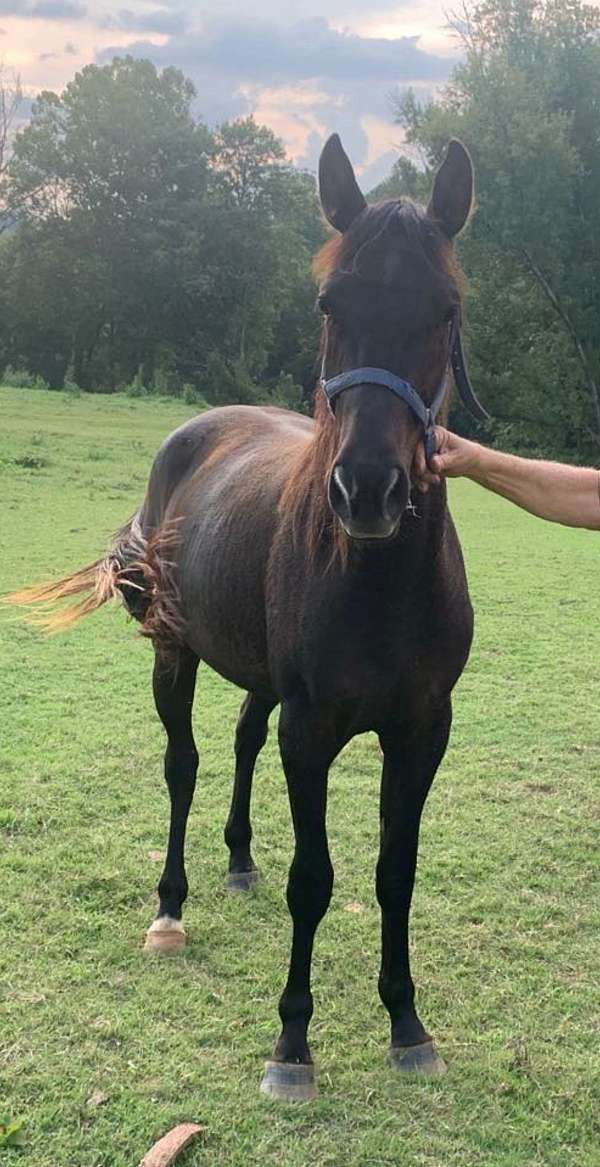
(550, 490)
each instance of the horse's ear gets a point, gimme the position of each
(452, 193)
(341, 197)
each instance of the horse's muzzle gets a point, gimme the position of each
(369, 500)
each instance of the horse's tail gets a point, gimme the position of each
(138, 569)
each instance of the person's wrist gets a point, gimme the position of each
(473, 459)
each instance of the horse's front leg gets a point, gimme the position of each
(412, 755)
(308, 746)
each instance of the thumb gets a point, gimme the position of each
(443, 463)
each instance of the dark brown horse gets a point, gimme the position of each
(286, 554)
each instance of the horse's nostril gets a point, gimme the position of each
(343, 480)
(396, 494)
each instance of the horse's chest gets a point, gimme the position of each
(391, 632)
(359, 673)
(367, 654)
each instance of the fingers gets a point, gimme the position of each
(425, 475)
(426, 480)
(421, 469)
(454, 457)
(420, 462)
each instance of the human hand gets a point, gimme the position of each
(455, 457)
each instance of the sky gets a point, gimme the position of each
(303, 73)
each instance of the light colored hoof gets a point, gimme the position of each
(422, 1059)
(242, 880)
(289, 1082)
(165, 935)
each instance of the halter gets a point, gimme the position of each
(426, 414)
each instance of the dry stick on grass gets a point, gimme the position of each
(167, 1149)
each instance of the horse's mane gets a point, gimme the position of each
(304, 499)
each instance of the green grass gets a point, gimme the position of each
(505, 921)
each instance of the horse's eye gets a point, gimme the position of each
(323, 305)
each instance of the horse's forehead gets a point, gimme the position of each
(405, 265)
(395, 255)
(395, 274)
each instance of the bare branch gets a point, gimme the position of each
(459, 21)
(561, 311)
(11, 96)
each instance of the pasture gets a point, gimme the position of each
(104, 1048)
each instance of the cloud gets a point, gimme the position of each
(57, 10)
(259, 50)
(280, 11)
(306, 75)
(25, 109)
(43, 9)
(70, 49)
(161, 20)
(372, 175)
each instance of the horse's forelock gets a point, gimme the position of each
(409, 221)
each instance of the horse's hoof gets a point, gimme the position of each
(289, 1082)
(242, 880)
(165, 935)
(417, 1059)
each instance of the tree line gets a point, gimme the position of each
(142, 248)
(525, 99)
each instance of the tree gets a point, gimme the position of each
(256, 237)
(244, 157)
(11, 96)
(36, 310)
(149, 247)
(111, 172)
(526, 101)
(405, 180)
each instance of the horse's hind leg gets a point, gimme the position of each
(174, 696)
(250, 737)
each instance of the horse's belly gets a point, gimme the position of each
(224, 606)
(240, 670)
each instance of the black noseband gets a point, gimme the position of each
(427, 414)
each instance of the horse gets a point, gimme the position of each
(287, 553)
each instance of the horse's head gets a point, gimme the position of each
(389, 291)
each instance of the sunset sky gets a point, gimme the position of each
(302, 73)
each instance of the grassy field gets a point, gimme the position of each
(506, 912)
